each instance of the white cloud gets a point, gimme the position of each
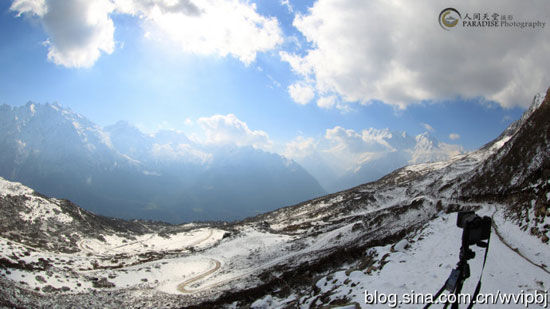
(301, 93)
(288, 5)
(327, 102)
(79, 30)
(369, 140)
(346, 139)
(209, 27)
(346, 150)
(300, 147)
(396, 52)
(183, 152)
(37, 7)
(428, 127)
(454, 136)
(228, 129)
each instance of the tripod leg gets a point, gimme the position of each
(458, 290)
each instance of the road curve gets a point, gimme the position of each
(182, 286)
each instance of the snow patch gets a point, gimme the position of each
(498, 144)
(400, 246)
(13, 188)
(37, 208)
(114, 244)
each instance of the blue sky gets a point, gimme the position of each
(374, 71)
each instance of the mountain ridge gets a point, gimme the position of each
(120, 171)
(325, 251)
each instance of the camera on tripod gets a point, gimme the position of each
(476, 228)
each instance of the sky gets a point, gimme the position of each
(279, 75)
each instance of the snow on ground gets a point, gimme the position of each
(461, 163)
(422, 265)
(39, 279)
(13, 188)
(269, 302)
(164, 275)
(38, 208)
(419, 264)
(114, 244)
(58, 277)
(241, 256)
(75, 272)
(527, 244)
(424, 167)
(500, 143)
(304, 215)
(237, 257)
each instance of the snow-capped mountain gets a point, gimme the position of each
(120, 171)
(397, 235)
(400, 149)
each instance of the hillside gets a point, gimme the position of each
(395, 235)
(119, 171)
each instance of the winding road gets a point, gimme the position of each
(83, 244)
(182, 286)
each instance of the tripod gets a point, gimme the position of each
(462, 270)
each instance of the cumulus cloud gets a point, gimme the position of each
(145, 7)
(301, 93)
(396, 52)
(346, 139)
(300, 148)
(345, 151)
(327, 102)
(212, 27)
(37, 7)
(228, 129)
(454, 136)
(369, 140)
(79, 30)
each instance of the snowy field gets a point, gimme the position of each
(423, 262)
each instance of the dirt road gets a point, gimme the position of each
(182, 286)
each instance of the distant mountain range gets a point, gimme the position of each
(120, 171)
(393, 150)
(395, 235)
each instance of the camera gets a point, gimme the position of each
(476, 228)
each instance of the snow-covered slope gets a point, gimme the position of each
(395, 235)
(418, 265)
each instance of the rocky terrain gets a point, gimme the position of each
(395, 235)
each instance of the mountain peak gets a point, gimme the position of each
(525, 154)
(427, 138)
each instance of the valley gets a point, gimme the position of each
(395, 235)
